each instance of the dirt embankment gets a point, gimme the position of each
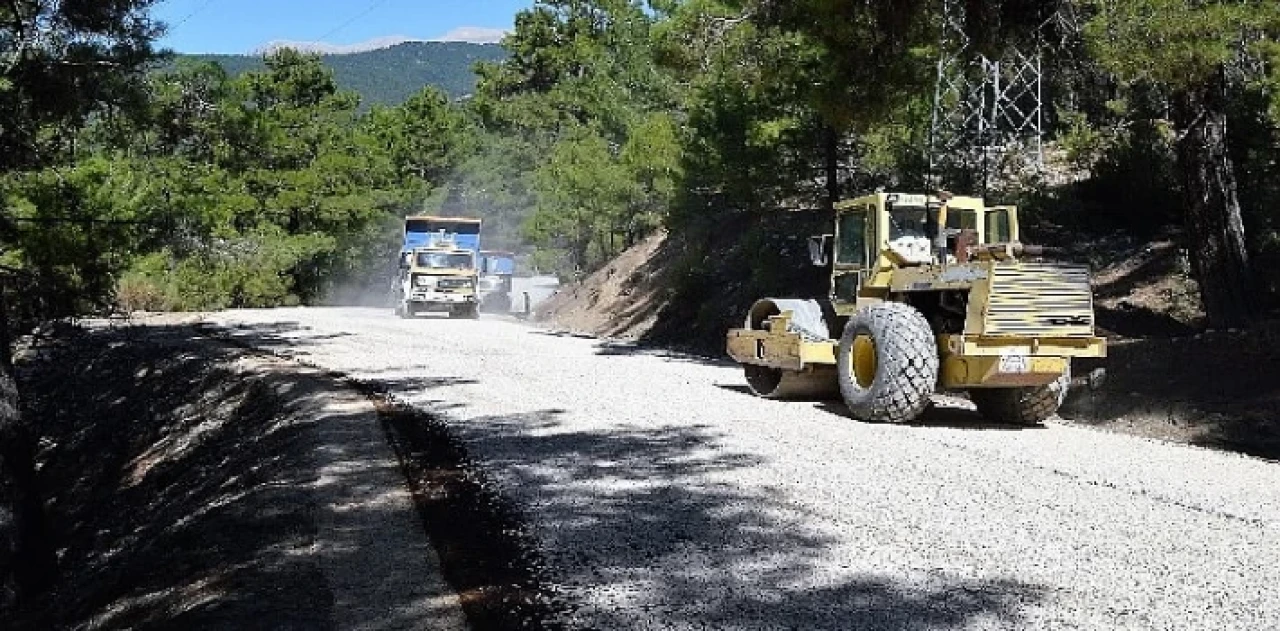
(1166, 378)
(621, 300)
(172, 481)
(685, 291)
(189, 484)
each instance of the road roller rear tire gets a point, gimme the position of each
(1022, 406)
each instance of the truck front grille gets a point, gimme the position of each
(453, 283)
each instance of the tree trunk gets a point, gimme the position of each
(831, 146)
(27, 560)
(1215, 231)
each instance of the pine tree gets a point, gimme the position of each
(1196, 53)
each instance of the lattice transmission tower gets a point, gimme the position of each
(990, 110)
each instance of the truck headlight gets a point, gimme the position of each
(424, 281)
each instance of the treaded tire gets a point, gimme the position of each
(1022, 406)
(906, 371)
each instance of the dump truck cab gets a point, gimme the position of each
(937, 286)
(497, 269)
(439, 267)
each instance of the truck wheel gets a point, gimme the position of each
(471, 312)
(887, 363)
(404, 310)
(1022, 406)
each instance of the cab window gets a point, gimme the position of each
(962, 219)
(998, 226)
(907, 221)
(851, 246)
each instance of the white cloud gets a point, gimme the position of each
(326, 48)
(473, 34)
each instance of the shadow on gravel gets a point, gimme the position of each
(949, 416)
(644, 527)
(179, 488)
(485, 550)
(738, 388)
(620, 348)
(281, 338)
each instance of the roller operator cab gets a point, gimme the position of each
(928, 293)
(439, 267)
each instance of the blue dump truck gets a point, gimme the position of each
(439, 267)
(496, 270)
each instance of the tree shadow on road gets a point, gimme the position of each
(285, 339)
(645, 526)
(948, 415)
(618, 347)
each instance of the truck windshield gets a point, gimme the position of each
(444, 260)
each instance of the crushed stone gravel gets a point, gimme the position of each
(663, 496)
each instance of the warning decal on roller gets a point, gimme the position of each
(1015, 364)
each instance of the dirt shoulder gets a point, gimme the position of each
(1214, 389)
(190, 484)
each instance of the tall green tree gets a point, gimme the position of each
(582, 80)
(60, 62)
(1197, 52)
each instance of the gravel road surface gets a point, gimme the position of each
(665, 497)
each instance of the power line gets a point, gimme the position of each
(204, 5)
(84, 220)
(374, 5)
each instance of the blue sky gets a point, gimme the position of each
(241, 26)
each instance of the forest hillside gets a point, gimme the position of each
(387, 76)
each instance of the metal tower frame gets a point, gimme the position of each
(986, 109)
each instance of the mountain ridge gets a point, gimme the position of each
(391, 74)
(325, 48)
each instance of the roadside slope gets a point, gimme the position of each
(686, 290)
(193, 485)
(621, 300)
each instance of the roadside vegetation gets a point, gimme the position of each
(135, 182)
